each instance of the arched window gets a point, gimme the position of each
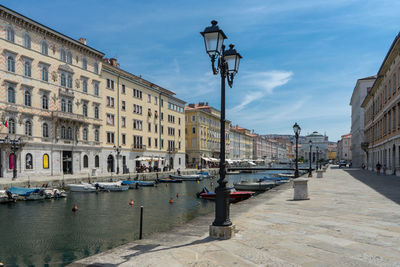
(63, 80)
(69, 81)
(70, 106)
(11, 161)
(96, 112)
(45, 129)
(84, 63)
(11, 126)
(28, 128)
(96, 67)
(11, 95)
(45, 161)
(62, 55)
(27, 40)
(85, 110)
(28, 161)
(45, 102)
(44, 47)
(96, 135)
(85, 161)
(63, 105)
(27, 98)
(28, 68)
(96, 161)
(63, 134)
(69, 133)
(85, 134)
(10, 34)
(11, 63)
(69, 57)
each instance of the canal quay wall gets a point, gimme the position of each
(351, 219)
(59, 181)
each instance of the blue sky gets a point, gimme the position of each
(301, 59)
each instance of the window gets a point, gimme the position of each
(137, 124)
(63, 80)
(137, 109)
(63, 133)
(96, 161)
(110, 84)
(85, 161)
(84, 63)
(27, 41)
(149, 141)
(155, 142)
(11, 63)
(110, 119)
(179, 132)
(123, 89)
(193, 118)
(179, 121)
(96, 135)
(110, 101)
(85, 134)
(123, 139)
(137, 93)
(69, 81)
(123, 122)
(96, 88)
(27, 98)
(69, 133)
(155, 128)
(69, 57)
(123, 106)
(149, 127)
(149, 98)
(45, 161)
(63, 56)
(85, 85)
(28, 161)
(63, 106)
(96, 67)
(28, 128)
(11, 126)
(110, 137)
(10, 34)
(85, 109)
(11, 95)
(137, 141)
(96, 112)
(27, 68)
(69, 106)
(193, 130)
(155, 100)
(45, 73)
(45, 130)
(162, 116)
(44, 47)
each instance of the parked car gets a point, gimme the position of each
(342, 163)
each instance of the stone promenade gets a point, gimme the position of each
(351, 219)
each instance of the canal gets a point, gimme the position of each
(48, 233)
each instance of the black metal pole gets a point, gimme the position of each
(310, 169)
(222, 193)
(316, 167)
(296, 173)
(118, 160)
(141, 222)
(14, 149)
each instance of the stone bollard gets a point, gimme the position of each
(300, 189)
(324, 169)
(319, 173)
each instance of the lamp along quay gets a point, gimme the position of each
(225, 62)
(309, 158)
(15, 144)
(296, 130)
(316, 162)
(117, 150)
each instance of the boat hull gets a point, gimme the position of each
(167, 180)
(252, 186)
(233, 196)
(81, 188)
(194, 177)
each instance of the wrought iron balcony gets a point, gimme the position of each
(138, 147)
(68, 116)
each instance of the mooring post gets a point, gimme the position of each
(141, 222)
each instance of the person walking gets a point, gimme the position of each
(378, 168)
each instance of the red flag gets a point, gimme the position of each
(6, 124)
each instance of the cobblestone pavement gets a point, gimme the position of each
(351, 219)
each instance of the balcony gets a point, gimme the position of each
(68, 116)
(172, 150)
(66, 92)
(138, 147)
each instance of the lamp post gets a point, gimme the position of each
(316, 163)
(296, 130)
(117, 149)
(227, 65)
(310, 169)
(15, 146)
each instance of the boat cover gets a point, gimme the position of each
(22, 191)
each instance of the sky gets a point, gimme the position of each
(301, 59)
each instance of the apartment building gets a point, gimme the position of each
(203, 134)
(144, 123)
(382, 108)
(50, 99)
(241, 143)
(344, 147)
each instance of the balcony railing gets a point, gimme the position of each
(138, 147)
(69, 116)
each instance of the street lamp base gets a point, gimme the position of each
(222, 232)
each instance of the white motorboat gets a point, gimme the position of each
(189, 177)
(6, 197)
(82, 187)
(55, 193)
(254, 186)
(112, 186)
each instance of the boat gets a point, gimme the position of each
(82, 187)
(234, 196)
(41, 194)
(273, 179)
(204, 174)
(190, 177)
(169, 180)
(112, 186)
(135, 184)
(28, 193)
(55, 193)
(6, 196)
(254, 186)
(286, 175)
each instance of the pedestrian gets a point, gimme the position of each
(378, 168)
(384, 169)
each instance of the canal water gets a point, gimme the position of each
(48, 233)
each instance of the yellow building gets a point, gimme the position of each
(50, 98)
(144, 123)
(203, 134)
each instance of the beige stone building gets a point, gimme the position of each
(241, 143)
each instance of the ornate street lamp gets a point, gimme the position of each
(15, 146)
(296, 130)
(316, 163)
(228, 66)
(117, 149)
(310, 169)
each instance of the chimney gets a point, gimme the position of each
(201, 104)
(206, 103)
(113, 62)
(191, 105)
(82, 40)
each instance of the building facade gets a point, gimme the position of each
(344, 148)
(241, 146)
(317, 141)
(357, 119)
(203, 135)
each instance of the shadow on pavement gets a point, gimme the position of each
(387, 185)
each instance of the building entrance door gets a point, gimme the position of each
(67, 162)
(110, 163)
(171, 163)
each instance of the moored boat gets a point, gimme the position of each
(82, 187)
(112, 186)
(169, 180)
(190, 177)
(135, 184)
(234, 196)
(6, 196)
(254, 186)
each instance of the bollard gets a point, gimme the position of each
(300, 189)
(141, 222)
(319, 173)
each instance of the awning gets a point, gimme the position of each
(205, 159)
(143, 159)
(252, 163)
(214, 160)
